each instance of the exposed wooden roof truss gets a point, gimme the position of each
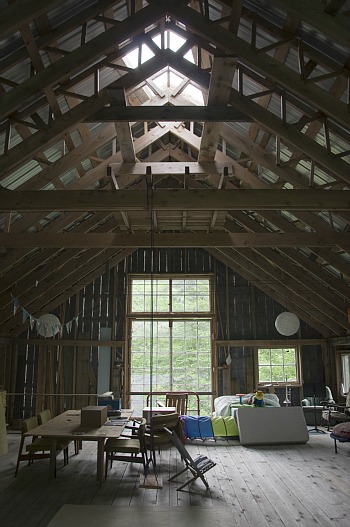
(255, 172)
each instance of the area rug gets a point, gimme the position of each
(109, 515)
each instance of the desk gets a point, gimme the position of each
(67, 426)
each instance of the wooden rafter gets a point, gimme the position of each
(221, 79)
(117, 100)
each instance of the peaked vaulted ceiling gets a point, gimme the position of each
(216, 124)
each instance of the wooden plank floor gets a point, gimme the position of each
(287, 485)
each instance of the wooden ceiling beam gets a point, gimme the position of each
(52, 35)
(89, 179)
(59, 293)
(32, 263)
(264, 282)
(198, 239)
(168, 113)
(22, 12)
(267, 66)
(264, 270)
(24, 151)
(117, 100)
(267, 120)
(221, 79)
(315, 14)
(253, 181)
(293, 259)
(83, 55)
(171, 168)
(174, 199)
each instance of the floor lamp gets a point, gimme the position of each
(313, 390)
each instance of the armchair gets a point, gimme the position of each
(327, 398)
(313, 406)
(334, 413)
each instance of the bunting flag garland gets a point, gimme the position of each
(44, 328)
(16, 305)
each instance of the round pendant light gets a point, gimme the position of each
(287, 323)
(48, 325)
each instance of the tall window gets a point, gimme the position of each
(278, 365)
(170, 338)
(345, 370)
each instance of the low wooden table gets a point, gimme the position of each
(67, 426)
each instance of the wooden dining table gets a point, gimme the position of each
(67, 426)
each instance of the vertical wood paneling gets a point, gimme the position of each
(4, 364)
(82, 381)
(242, 312)
(42, 369)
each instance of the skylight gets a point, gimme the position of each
(172, 40)
(166, 79)
(132, 58)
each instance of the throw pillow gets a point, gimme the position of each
(342, 430)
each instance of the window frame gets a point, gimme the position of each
(169, 315)
(298, 380)
(344, 376)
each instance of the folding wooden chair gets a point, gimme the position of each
(197, 466)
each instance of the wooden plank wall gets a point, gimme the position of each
(242, 312)
(49, 369)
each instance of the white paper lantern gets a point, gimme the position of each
(48, 325)
(287, 323)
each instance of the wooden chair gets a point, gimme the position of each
(40, 447)
(128, 448)
(197, 466)
(44, 416)
(178, 400)
(155, 435)
(191, 401)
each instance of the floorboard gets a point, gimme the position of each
(269, 486)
